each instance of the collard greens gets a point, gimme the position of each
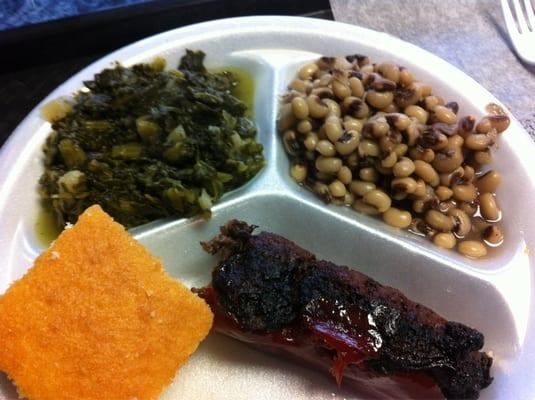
(146, 143)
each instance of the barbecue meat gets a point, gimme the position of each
(270, 292)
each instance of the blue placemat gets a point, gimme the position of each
(17, 13)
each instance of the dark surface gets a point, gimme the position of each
(37, 58)
(16, 13)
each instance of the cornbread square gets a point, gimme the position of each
(97, 317)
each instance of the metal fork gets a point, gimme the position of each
(522, 29)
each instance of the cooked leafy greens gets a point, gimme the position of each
(147, 143)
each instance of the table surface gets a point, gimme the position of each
(469, 34)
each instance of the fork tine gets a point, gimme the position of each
(520, 18)
(531, 14)
(509, 20)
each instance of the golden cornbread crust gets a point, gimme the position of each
(97, 317)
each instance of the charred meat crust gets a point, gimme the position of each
(265, 283)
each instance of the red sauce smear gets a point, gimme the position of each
(348, 331)
(345, 329)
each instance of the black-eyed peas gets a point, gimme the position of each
(368, 148)
(347, 143)
(468, 208)
(448, 161)
(360, 188)
(333, 128)
(390, 160)
(307, 71)
(405, 185)
(304, 126)
(488, 207)
(445, 240)
(425, 171)
(466, 125)
(398, 218)
(413, 133)
(381, 84)
(382, 170)
(367, 69)
(322, 190)
(489, 182)
(453, 106)
(368, 174)
(311, 141)
(316, 108)
(452, 178)
(298, 85)
(400, 149)
(345, 175)
(405, 77)
(352, 161)
(483, 157)
(299, 108)
(322, 92)
(333, 106)
(479, 141)
(289, 139)
(432, 139)
(386, 144)
(469, 173)
(328, 165)
(467, 192)
(356, 86)
(492, 235)
(431, 102)
(352, 124)
(390, 71)
(483, 126)
(379, 100)
(337, 188)
(298, 172)
(398, 120)
(355, 107)
(377, 128)
(428, 155)
(392, 108)
(444, 114)
(421, 188)
(418, 206)
(472, 248)
(403, 168)
(349, 199)
(364, 208)
(439, 221)
(462, 222)
(286, 117)
(417, 112)
(500, 122)
(326, 148)
(425, 88)
(445, 206)
(408, 95)
(378, 199)
(371, 137)
(443, 193)
(341, 89)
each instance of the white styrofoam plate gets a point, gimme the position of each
(495, 295)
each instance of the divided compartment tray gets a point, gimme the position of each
(493, 295)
